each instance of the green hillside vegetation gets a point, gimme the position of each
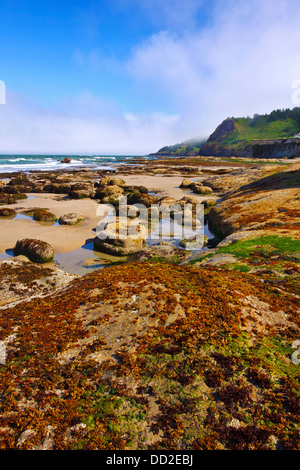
(235, 135)
(185, 148)
(279, 124)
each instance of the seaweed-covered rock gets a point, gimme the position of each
(20, 180)
(80, 194)
(72, 218)
(108, 191)
(140, 198)
(7, 212)
(57, 188)
(21, 280)
(81, 191)
(19, 184)
(131, 188)
(111, 181)
(36, 251)
(6, 199)
(43, 215)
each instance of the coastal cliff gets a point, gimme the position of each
(215, 145)
(273, 135)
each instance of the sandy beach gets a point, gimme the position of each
(62, 238)
(68, 238)
(163, 185)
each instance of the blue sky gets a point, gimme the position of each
(129, 76)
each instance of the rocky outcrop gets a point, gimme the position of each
(276, 148)
(20, 279)
(269, 204)
(36, 251)
(214, 146)
(226, 183)
(150, 355)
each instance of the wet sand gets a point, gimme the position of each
(68, 238)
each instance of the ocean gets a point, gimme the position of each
(27, 163)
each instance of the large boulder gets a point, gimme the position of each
(167, 200)
(121, 237)
(188, 200)
(36, 251)
(73, 218)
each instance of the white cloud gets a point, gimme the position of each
(84, 125)
(244, 62)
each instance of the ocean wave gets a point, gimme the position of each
(28, 163)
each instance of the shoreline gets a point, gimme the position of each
(160, 177)
(73, 244)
